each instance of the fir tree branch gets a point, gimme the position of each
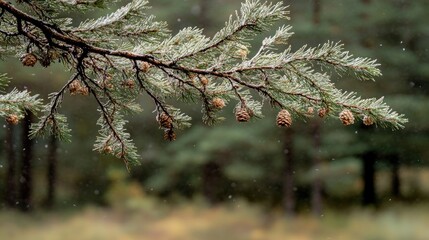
(187, 65)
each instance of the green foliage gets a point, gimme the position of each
(126, 53)
(16, 102)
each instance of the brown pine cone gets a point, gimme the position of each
(204, 80)
(29, 60)
(368, 121)
(165, 121)
(169, 135)
(322, 112)
(74, 87)
(84, 91)
(12, 119)
(218, 103)
(346, 117)
(107, 149)
(144, 67)
(129, 83)
(284, 119)
(242, 53)
(242, 115)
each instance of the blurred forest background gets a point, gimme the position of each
(316, 180)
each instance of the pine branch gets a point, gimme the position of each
(112, 20)
(127, 53)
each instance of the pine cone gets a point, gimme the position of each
(368, 121)
(129, 83)
(29, 60)
(204, 81)
(74, 87)
(144, 67)
(242, 115)
(165, 121)
(84, 91)
(107, 149)
(322, 112)
(310, 110)
(12, 119)
(218, 103)
(242, 53)
(284, 118)
(346, 117)
(169, 135)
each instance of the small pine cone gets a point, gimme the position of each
(12, 119)
(107, 149)
(74, 87)
(84, 91)
(50, 120)
(129, 84)
(29, 60)
(242, 115)
(284, 119)
(322, 112)
(346, 117)
(144, 67)
(368, 121)
(242, 53)
(310, 110)
(204, 81)
(169, 135)
(218, 103)
(165, 121)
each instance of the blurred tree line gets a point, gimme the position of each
(303, 168)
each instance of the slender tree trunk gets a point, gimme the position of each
(317, 9)
(369, 196)
(288, 175)
(316, 189)
(203, 16)
(212, 172)
(395, 184)
(52, 172)
(10, 189)
(366, 41)
(26, 178)
(211, 181)
(316, 193)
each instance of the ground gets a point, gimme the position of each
(237, 221)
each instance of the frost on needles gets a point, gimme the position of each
(116, 58)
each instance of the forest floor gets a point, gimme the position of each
(234, 222)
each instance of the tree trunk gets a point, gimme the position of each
(211, 180)
(365, 40)
(52, 172)
(316, 193)
(10, 188)
(288, 179)
(316, 189)
(203, 16)
(211, 170)
(26, 179)
(317, 9)
(369, 196)
(395, 184)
